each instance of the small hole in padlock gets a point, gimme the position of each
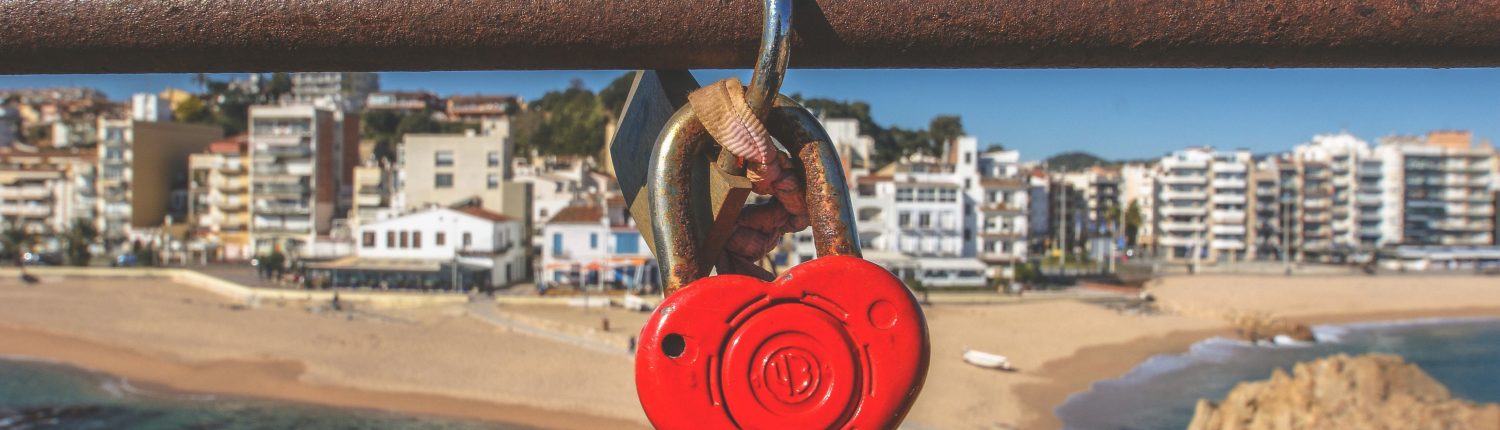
(673, 345)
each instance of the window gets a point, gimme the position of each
(925, 194)
(416, 239)
(556, 244)
(593, 240)
(390, 239)
(924, 220)
(494, 158)
(443, 158)
(404, 243)
(468, 239)
(443, 180)
(493, 181)
(905, 219)
(627, 243)
(903, 195)
(440, 239)
(368, 241)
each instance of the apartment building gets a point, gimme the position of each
(302, 169)
(1229, 206)
(1328, 170)
(920, 219)
(46, 190)
(432, 249)
(1182, 203)
(150, 107)
(1085, 206)
(585, 244)
(1445, 187)
(10, 126)
(491, 112)
(403, 101)
(219, 211)
(445, 169)
(346, 91)
(159, 152)
(1003, 211)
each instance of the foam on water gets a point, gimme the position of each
(1161, 392)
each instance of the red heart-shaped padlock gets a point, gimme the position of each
(837, 342)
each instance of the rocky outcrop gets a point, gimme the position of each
(1255, 327)
(1341, 392)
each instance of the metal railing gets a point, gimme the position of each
(65, 36)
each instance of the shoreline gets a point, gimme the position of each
(274, 380)
(1077, 374)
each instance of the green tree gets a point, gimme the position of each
(281, 84)
(944, 129)
(79, 237)
(16, 241)
(192, 110)
(614, 95)
(1132, 222)
(570, 122)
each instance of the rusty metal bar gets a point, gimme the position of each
(66, 36)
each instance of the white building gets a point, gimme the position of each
(1182, 203)
(1438, 190)
(581, 243)
(920, 219)
(344, 90)
(1137, 187)
(150, 107)
(429, 249)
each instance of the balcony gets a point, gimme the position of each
(1226, 244)
(1183, 195)
(1184, 179)
(1228, 217)
(293, 189)
(25, 192)
(1228, 229)
(282, 209)
(1229, 198)
(1174, 226)
(27, 211)
(285, 151)
(1184, 210)
(1229, 183)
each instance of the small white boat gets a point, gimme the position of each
(987, 360)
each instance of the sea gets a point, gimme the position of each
(1161, 393)
(36, 394)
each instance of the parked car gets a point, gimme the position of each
(42, 259)
(124, 260)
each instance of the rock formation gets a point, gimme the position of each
(1368, 392)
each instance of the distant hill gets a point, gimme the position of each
(1075, 160)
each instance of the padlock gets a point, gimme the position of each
(837, 342)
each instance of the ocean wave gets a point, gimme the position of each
(116, 386)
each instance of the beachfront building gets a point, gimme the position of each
(1004, 203)
(374, 193)
(1182, 203)
(591, 245)
(1229, 206)
(46, 191)
(433, 249)
(558, 182)
(919, 218)
(1039, 220)
(303, 161)
(159, 152)
(219, 210)
(1445, 188)
(1328, 169)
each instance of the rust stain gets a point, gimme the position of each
(64, 36)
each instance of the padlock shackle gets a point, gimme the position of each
(676, 208)
(771, 60)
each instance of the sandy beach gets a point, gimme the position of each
(438, 360)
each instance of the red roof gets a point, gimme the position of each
(579, 215)
(480, 212)
(237, 144)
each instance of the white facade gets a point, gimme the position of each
(581, 243)
(1182, 203)
(150, 107)
(1137, 186)
(472, 236)
(288, 210)
(921, 219)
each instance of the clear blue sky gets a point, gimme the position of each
(1114, 113)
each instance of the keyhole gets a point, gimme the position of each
(673, 345)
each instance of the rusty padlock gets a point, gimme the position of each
(837, 342)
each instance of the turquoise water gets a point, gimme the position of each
(1464, 354)
(41, 395)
